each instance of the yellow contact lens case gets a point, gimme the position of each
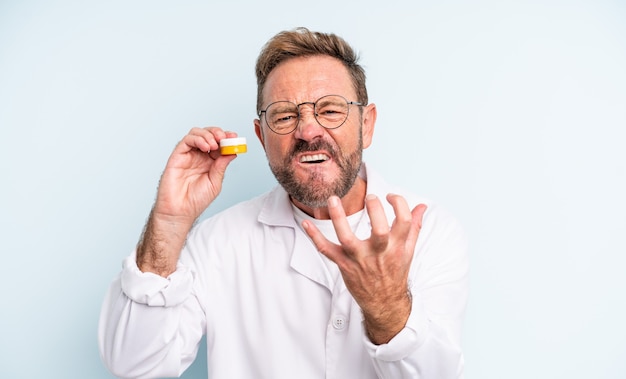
(230, 146)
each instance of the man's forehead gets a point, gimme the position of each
(307, 79)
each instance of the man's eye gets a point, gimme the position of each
(283, 118)
(332, 112)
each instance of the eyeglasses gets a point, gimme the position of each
(330, 111)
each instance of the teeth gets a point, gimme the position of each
(316, 157)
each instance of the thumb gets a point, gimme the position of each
(217, 170)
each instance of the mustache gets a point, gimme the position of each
(302, 146)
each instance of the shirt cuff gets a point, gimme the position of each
(154, 290)
(409, 339)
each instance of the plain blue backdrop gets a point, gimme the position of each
(509, 113)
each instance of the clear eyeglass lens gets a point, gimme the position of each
(330, 111)
(282, 116)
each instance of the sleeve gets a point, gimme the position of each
(429, 346)
(150, 326)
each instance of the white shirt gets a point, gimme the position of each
(252, 281)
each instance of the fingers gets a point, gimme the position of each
(349, 243)
(402, 234)
(402, 223)
(340, 222)
(323, 245)
(417, 217)
(379, 223)
(204, 139)
(381, 232)
(405, 227)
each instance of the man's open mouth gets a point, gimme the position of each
(314, 158)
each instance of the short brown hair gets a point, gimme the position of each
(301, 42)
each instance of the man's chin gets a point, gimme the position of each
(312, 203)
(318, 172)
(313, 191)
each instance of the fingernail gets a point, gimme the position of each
(333, 201)
(370, 196)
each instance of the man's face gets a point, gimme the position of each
(312, 163)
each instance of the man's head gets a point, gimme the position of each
(319, 156)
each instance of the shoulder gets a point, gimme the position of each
(212, 242)
(238, 215)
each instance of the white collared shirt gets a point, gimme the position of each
(252, 281)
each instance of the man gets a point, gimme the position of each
(318, 278)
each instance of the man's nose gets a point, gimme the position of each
(308, 127)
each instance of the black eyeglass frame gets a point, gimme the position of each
(315, 114)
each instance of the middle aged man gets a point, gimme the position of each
(318, 278)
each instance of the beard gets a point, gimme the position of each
(315, 190)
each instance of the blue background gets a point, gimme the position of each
(509, 113)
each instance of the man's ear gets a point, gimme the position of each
(258, 130)
(369, 122)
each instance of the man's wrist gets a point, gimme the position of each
(387, 323)
(160, 245)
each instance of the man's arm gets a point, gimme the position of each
(191, 181)
(415, 334)
(151, 321)
(376, 270)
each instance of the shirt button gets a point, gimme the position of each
(339, 322)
